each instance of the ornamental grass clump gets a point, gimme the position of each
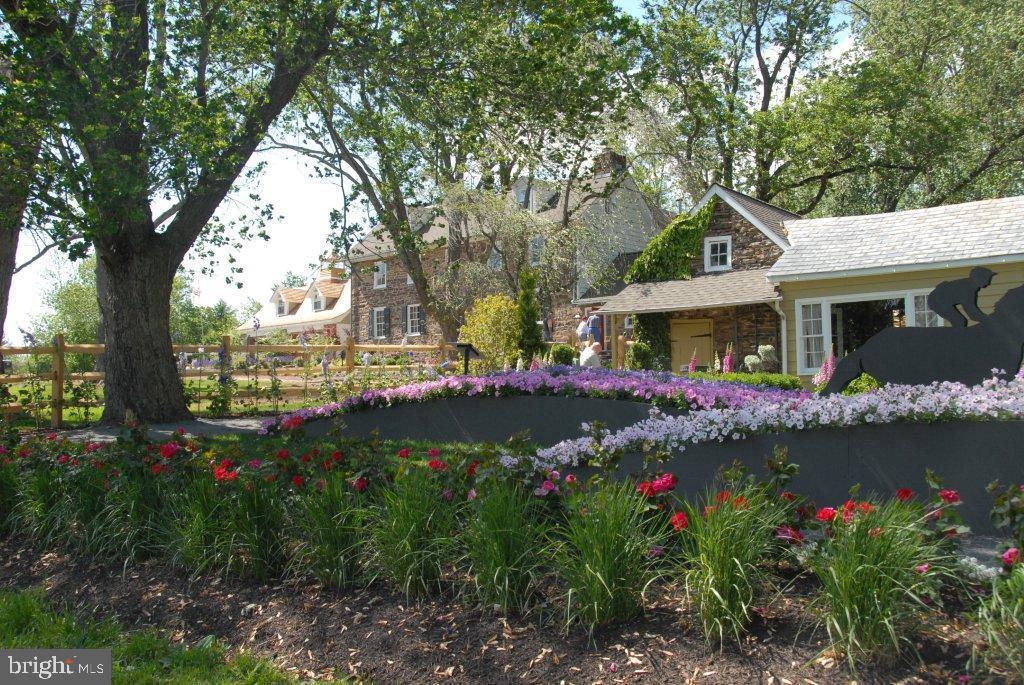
(8, 496)
(501, 540)
(413, 531)
(1001, 620)
(880, 567)
(602, 553)
(726, 541)
(328, 520)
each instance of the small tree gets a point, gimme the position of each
(492, 326)
(531, 343)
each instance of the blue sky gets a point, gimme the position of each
(295, 242)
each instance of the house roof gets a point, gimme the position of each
(988, 231)
(767, 218)
(293, 295)
(330, 289)
(371, 247)
(729, 288)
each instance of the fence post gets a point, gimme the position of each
(620, 352)
(225, 364)
(350, 354)
(57, 388)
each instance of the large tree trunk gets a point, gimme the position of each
(133, 284)
(8, 251)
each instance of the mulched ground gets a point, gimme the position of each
(377, 636)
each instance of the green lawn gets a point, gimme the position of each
(27, 620)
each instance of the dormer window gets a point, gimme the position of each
(718, 253)
(281, 307)
(380, 275)
(318, 302)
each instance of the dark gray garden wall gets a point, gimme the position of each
(966, 454)
(488, 419)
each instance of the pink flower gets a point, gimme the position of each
(433, 452)
(545, 487)
(471, 495)
(1011, 556)
(255, 463)
(923, 568)
(554, 475)
(169, 449)
(655, 551)
(448, 495)
(874, 532)
(63, 459)
(904, 494)
(570, 479)
(404, 453)
(665, 483)
(949, 496)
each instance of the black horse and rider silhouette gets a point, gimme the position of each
(967, 354)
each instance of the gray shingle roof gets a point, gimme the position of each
(713, 290)
(770, 216)
(903, 241)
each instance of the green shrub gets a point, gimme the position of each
(8, 497)
(329, 523)
(877, 571)
(134, 522)
(639, 356)
(531, 340)
(41, 510)
(773, 380)
(603, 555)
(1001, 621)
(654, 329)
(862, 383)
(563, 354)
(492, 326)
(726, 543)
(502, 539)
(413, 532)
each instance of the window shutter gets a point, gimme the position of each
(369, 320)
(405, 319)
(421, 313)
(387, 322)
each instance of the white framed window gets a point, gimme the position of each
(380, 275)
(814, 322)
(718, 253)
(627, 325)
(923, 316)
(379, 322)
(282, 308)
(413, 320)
(318, 301)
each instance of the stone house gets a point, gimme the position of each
(386, 307)
(766, 276)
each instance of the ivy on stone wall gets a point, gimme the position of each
(669, 254)
(667, 258)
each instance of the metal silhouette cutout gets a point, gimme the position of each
(966, 354)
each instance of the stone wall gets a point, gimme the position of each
(751, 249)
(746, 327)
(397, 294)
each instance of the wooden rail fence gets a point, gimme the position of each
(59, 351)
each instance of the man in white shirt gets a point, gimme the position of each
(582, 330)
(591, 356)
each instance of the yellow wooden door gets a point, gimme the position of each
(687, 336)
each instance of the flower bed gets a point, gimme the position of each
(659, 389)
(992, 400)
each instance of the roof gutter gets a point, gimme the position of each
(899, 268)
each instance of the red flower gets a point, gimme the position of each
(875, 532)
(646, 488)
(336, 455)
(848, 507)
(865, 507)
(679, 521)
(665, 482)
(825, 514)
(181, 430)
(51, 436)
(790, 534)
(740, 502)
(788, 496)
(158, 468)
(63, 459)
(291, 422)
(433, 452)
(283, 454)
(904, 494)
(297, 481)
(255, 463)
(723, 497)
(437, 465)
(404, 453)
(923, 568)
(471, 469)
(223, 471)
(360, 483)
(949, 496)
(570, 479)
(305, 458)
(1011, 556)
(709, 510)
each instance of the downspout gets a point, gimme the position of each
(785, 335)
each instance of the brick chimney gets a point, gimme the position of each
(608, 162)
